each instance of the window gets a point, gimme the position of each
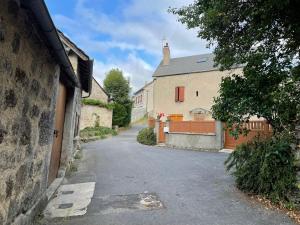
(179, 94)
(197, 93)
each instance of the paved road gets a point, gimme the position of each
(193, 186)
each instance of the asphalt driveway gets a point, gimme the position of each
(193, 187)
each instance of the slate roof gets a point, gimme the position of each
(135, 93)
(85, 64)
(185, 65)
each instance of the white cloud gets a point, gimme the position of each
(145, 24)
(134, 68)
(140, 26)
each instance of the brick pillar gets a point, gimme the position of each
(156, 129)
(168, 125)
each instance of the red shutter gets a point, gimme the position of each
(181, 94)
(176, 94)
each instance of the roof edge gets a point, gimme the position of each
(101, 87)
(45, 22)
(142, 88)
(202, 71)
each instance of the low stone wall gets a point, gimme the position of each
(192, 141)
(91, 114)
(204, 141)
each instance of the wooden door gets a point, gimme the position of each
(162, 137)
(230, 142)
(58, 133)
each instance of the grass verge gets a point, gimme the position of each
(96, 133)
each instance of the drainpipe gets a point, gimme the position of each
(86, 96)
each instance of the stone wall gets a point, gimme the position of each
(138, 113)
(90, 114)
(98, 93)
(28, 88)
(71, 140)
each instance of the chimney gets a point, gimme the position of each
(166, 54)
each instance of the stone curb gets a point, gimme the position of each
(30, 215)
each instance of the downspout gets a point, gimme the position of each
(86, 96)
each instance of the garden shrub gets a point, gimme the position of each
(96, 102)
(119, 115)
(96, 132)
(147, 136)
(264, 166)
(122, 113)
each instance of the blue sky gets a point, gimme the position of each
(125, 34)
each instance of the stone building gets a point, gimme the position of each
(187, 85)
(142, 103)
(92, 115)
(39, 108)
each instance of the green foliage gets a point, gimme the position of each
(119, 115)
(118, 88)
(96, 132)
(147, 136)
(128, 106)
(96, 102)
(116, 85)
(265, 167)
(264, 36)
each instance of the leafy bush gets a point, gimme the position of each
(264, 166)
(96, 102)
(119, 115)
(122, 114)
(128, 105)
(96, 132)
(147, 136)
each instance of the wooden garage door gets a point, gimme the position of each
(58, 133)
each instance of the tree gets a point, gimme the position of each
(264, 36)
(119, 115)
(117, 86)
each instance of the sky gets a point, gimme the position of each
(125, 34)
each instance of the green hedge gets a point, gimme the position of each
(122, 114)
(265, 167)
(147, 136)
(90, 101)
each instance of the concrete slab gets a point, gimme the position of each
(70, 200)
